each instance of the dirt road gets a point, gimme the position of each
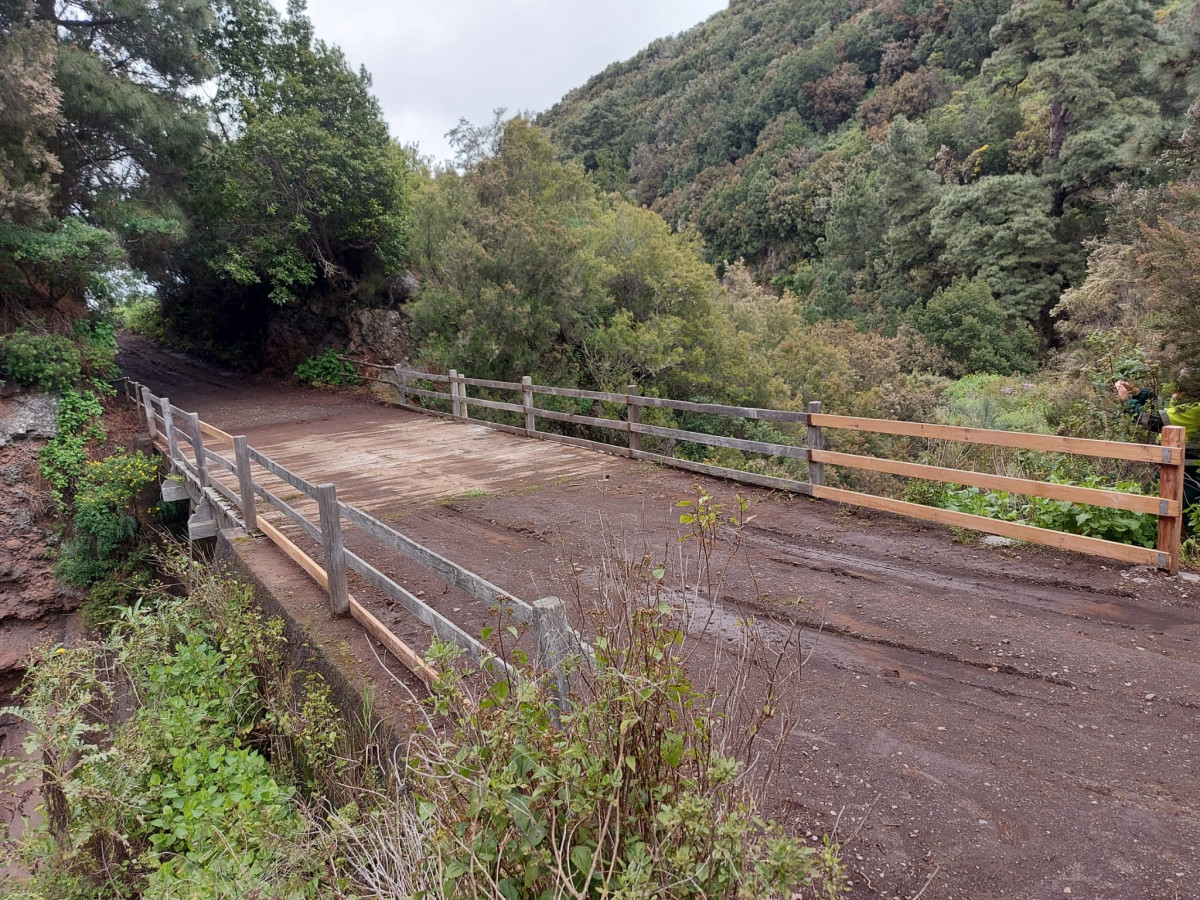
(1010, 722)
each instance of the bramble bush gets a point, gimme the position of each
(326, 370)
(639, 788)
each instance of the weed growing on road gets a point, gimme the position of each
(647, 785)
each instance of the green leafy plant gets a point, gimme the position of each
(149, 745)
(105, 520)
(327, 370)
(1059, 515)
(62, 459)
(38, 359)
(637, 788)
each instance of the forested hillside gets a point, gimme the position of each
(866, 156)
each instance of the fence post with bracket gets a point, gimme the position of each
(633, 415)
(335, 551)
(554, 640)
(816, 441)
(241, 453)
(1170, 488)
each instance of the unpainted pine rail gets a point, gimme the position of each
(1169, 456)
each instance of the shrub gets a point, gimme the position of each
(971, 326)
(143, 316)
(327, 370)
(105, 520)
(97, 348)
(148, 746)
(638, 789)
(49, 362)
(62, 459)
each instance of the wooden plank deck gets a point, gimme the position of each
(411, 462)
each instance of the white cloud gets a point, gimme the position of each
(434, 61)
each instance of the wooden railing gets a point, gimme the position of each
(169, 426)
(1168, 457)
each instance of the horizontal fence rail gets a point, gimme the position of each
(629, 429)
(238, 505)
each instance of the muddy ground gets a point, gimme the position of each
(987, 722)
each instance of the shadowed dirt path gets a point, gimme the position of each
(1014, 722)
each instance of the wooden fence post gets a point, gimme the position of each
(169, 428)
(1170, 487)
(527, 403)
(454, 394)
(335, 553)
(148, 406)
(553, 636)
(401, 386)
(241, 454)
(816, 441)
(198, 447)
(633, 415)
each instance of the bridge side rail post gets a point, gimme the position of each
(527, 403)
(335, 551)
(1170, 487)
(816, 441)
(198, 447)
(148, 407)
(633, 415)
(454, 410)
(553, 637)
(169, 429)
(401, 386)
(241, 454)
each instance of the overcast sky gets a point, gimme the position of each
(434, 61)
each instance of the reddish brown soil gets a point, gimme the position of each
(1010, 723)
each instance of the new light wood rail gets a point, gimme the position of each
(169, 426)
(413, 385)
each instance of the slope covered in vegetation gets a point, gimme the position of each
(867, 156)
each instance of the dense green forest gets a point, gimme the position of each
(735, 212)
(865, 157)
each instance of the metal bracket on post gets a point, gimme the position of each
(1170, 487)
(241, 455)
(527, 403)
(335, 552)
(554, 646)
(148, 405)
(633, 415)
(816, 441)
(401, 385)
(198, 447)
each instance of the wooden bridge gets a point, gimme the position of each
(996, 700)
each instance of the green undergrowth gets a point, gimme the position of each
(161, 753)
(181, 757)
(327, 370)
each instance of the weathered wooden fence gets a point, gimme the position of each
(235, 503)
(1169, 456)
